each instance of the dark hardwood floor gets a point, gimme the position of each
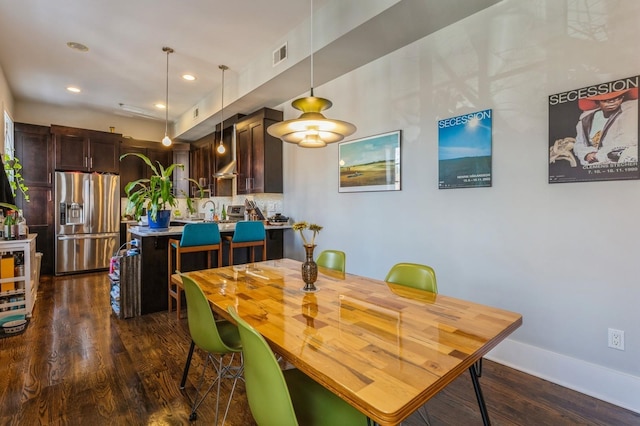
(78, 365)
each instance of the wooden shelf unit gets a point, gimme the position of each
(22, 298)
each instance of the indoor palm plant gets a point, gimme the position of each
(155, 194)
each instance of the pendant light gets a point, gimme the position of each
(221, 149)
(166, 141)
(311, 129)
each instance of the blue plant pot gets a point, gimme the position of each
(162, 220)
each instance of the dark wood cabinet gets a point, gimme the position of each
(34, 149)
(133, 168)
(85, 150)
(200, 161)
(258, 154)
(205, 160)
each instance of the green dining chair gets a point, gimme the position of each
(286, 398)
(332, 259)
(217, 339)
(418, 276)
(413, 275)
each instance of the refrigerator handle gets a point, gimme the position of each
(87, 202)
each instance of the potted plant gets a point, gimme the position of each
(191, 201)
(154, 194)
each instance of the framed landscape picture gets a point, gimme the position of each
(370, 164)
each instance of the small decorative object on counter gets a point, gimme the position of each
(309, 266)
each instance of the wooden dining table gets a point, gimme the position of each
(384, 348)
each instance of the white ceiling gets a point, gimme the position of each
(125, 63)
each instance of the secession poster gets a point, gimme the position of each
(593, 132)
(464, 151)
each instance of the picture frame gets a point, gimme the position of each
(372, 163)
(465, 151)
(594, 132)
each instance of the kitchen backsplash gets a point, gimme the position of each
(269, 204)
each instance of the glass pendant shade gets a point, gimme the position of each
(166, 141)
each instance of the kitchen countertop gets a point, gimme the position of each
(145, 231)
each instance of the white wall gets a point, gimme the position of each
(6, 104)
(563, 255)
(45, 115)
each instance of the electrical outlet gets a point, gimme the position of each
(616, 339)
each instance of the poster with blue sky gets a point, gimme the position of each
(464, 151)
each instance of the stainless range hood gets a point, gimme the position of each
(226, 172)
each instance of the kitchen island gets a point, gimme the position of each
(154, 252)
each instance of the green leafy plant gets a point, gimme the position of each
(154, 193)
(13, 168)
(190, 204)
(301, 226)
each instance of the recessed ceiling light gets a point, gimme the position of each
(73, 89)
(78, 46)
(160, 106)
(189, 77)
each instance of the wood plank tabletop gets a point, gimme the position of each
(384, 348)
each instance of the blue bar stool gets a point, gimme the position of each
(248, 234)
(196, 237)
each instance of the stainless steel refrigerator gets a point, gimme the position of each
(87, 211)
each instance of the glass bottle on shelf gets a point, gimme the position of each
(9, 221)
(23, 230)
(18, 261)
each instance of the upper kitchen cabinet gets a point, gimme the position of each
(258, 154)
(132, 168)
(206, 161)
(85, 150)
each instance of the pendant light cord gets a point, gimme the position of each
(166, 101)
(311, 45)
(167, 50)
(222, 67)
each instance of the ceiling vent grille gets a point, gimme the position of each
(280, 54)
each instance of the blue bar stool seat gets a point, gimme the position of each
(196, 237)
(248, 234)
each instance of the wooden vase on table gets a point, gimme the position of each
(309, 269)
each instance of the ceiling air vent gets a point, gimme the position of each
(196, 112)
(280, 54)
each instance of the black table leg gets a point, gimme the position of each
(187, 365)
(476, 387)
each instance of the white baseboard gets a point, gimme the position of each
(590, 379)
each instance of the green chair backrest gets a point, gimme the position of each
(333, 259)
(252, 230)
(267, 391)
(202, 325)
(200, 234)
(413, 275)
